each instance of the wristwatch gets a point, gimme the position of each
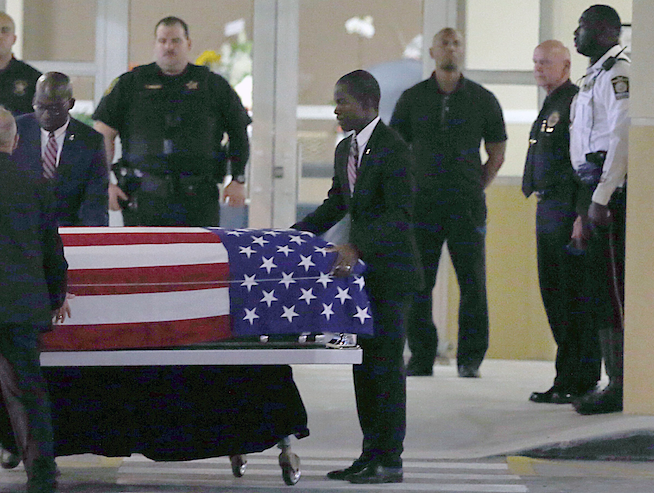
(239, 179)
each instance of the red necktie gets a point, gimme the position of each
(50, 157)
(353, 163)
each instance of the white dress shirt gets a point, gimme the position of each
(364, 136)
(59, 134)
(599, 118)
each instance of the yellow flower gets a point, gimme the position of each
(207, 57)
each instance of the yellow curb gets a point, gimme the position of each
(522, 466)
(107, 462)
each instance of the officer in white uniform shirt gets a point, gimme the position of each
(598, 151)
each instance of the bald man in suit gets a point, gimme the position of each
(33, 276)
(80, 177)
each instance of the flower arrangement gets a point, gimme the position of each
(364, 28)
(234, 62)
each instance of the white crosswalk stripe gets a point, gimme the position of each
(263, 474)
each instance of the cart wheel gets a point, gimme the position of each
(8, 460)
(239, 465)
(290, 464)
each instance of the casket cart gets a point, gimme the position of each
(180, 341)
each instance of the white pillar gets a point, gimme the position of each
(274, 163)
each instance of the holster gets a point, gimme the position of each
(590, 172)
(129, 181)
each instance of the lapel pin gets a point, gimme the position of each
(368, 151)
(71, 137)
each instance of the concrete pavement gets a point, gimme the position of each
(464, 435)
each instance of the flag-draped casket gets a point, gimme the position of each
(167, 287)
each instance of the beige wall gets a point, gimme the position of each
(501, 35)
(61, 30)
(639, 276)
(518, 324)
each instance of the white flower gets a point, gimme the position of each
(363, 27)
(414, 48)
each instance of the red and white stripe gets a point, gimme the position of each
(143, 287)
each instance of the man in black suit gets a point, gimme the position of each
(373, 184)
(80, 176)
(33, 275)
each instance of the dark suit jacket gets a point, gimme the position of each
(82, 180)
(381, 209)
(32, 266)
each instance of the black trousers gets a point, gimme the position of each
(380, 380)
(604, 285)
(464, 228)
(174, 200)
(578, 360)
(26, 398)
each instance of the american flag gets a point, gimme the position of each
(166, 287)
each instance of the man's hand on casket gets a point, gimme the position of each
(348, 256)
(58, 316)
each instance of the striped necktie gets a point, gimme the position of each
(353, 163)
(50, 157)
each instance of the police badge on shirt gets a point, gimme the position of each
(20, 87)
(620, 86)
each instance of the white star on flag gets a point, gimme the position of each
(268, 297)
(259, 240)
(360, 281)
(343, 295)
(234, 233)
(247, 251)
(297, 239)
(307, 295)
(324, 279)
(285, 249)
(250, 315)
(322, 250)
(306, 262)
(289, 313)
(327, 310)
(249, 281)
(287, 279)
(362, 314)
(272, 233)
(268, 264)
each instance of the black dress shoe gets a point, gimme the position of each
(377, 474)
(341, 474)
(469, 371)
(608, 400)
(8, 460)
(552, 396)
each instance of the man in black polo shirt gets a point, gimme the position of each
(444, 119)
(549, 175)
(17, 79)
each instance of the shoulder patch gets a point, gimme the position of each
(111, 86)
(620, 86)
